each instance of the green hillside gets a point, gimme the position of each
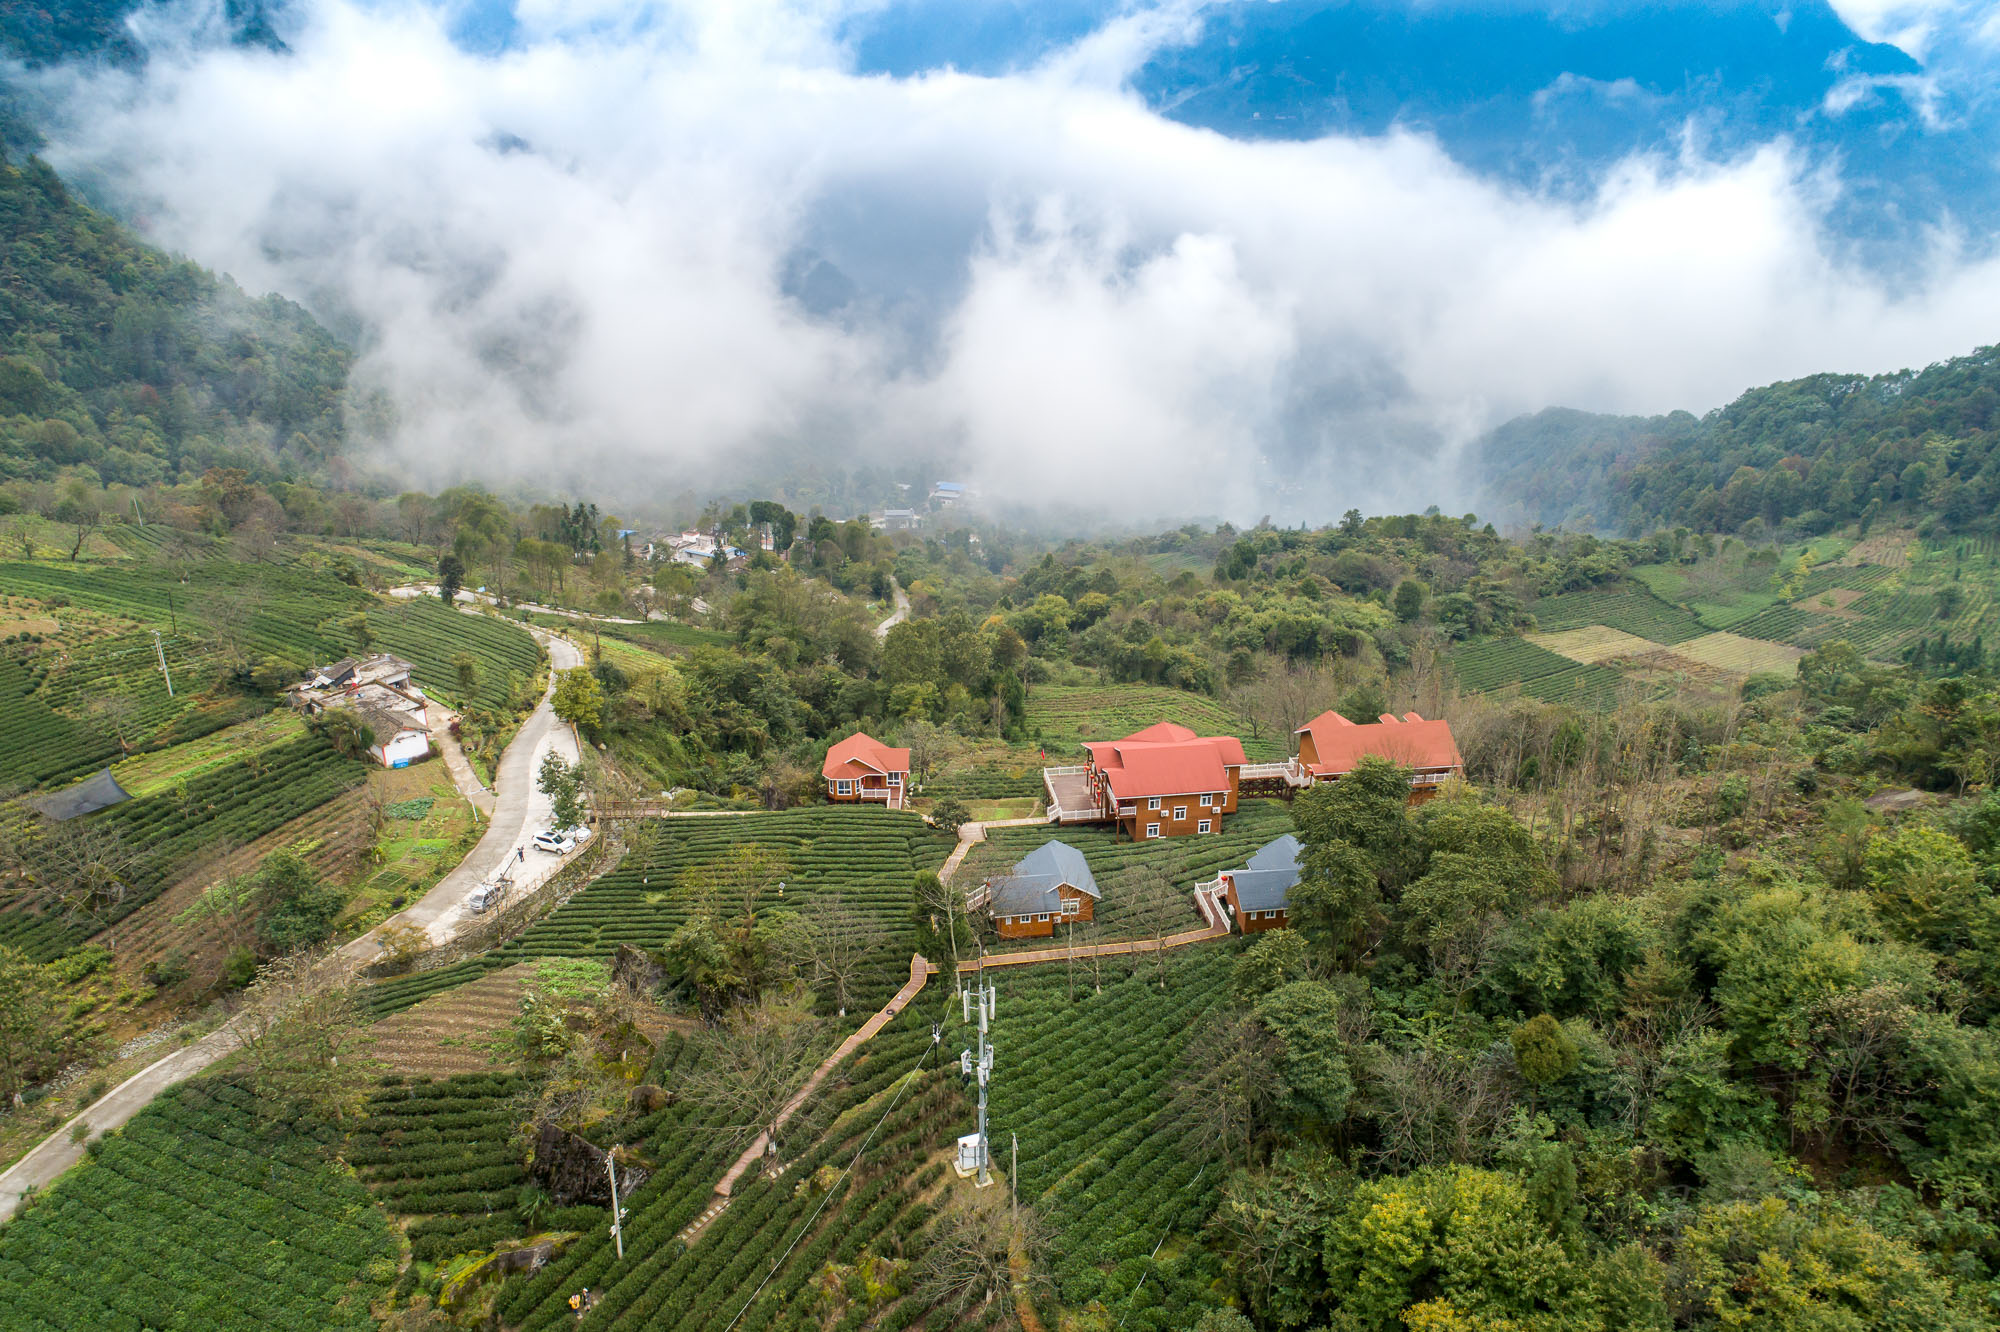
(1803, 455)
(146, 368)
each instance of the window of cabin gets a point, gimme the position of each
(1042, 917)
(1206, 801)
(1154, 803)
(1180, 813)
(1072, 905)
(1152, 830)
(1203, 826)
(845, 787)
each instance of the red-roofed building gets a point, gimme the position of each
(1330, 747)
(863, 768)
(1164, 781)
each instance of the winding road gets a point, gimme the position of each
(898, 615)
(518, 811)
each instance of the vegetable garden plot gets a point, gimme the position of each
(201, 1215)
(1084, 1085)
(866, 858)
(1635, 611)
(1068, 715)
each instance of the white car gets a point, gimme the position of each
(559, 844)
(485, 897)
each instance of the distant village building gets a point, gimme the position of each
(1051, 886)
(897, 520)
(379, 692)
(947, 493)
(1331, 746)
(1259, 894)
(699, 550)
(1164, 781)
(863, 768)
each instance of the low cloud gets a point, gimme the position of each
(579, 263)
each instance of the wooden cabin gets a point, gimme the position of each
(1259, 894)
(1166, 781)
(1331, 746)
(863, 768)
(1051, 886)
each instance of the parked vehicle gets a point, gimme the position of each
(485, 897)
(558, 844)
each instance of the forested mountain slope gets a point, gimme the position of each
(1802, 455)
(146, 368)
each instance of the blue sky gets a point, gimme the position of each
(1297, 254)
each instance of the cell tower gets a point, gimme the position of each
(972, 1152)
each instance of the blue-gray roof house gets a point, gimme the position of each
(1051, 885)
(1260, 893)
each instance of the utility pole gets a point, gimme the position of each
(983, 996)
(1014, 1177)
(161, 653)
(617, 1212)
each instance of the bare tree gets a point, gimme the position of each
(1226, 1087)
(974, 1252)
(80, 867)
(301, 1036)
(114, 713)
(839, 941)
(930, 746)
(1285, 697)
(752, 1062)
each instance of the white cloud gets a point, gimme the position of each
(569, 262)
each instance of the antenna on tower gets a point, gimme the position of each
(972, 1149)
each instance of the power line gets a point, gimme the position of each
(936, 1037)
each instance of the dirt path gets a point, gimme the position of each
(517, 811)
(439, 718)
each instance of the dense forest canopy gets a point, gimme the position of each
(1799, 457)
(123, 364)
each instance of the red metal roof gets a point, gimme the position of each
(1166, 759)
(1413, 742)
(861, 754)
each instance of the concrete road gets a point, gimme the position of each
(898, 615)
(519, 812)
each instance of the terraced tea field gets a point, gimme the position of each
(866, 859)
(207, 1213)
(1065, 716)
(431, 636)
(1500, 663)
(1634, 611)
(1096, 1160)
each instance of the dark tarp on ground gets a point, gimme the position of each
(86, 797)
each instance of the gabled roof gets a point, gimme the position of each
(1165, 760)
(1412, 742)
(86, 797)
(1035, 884)
(1265, 884)
(862, 755)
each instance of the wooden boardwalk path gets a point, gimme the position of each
(921, 970)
